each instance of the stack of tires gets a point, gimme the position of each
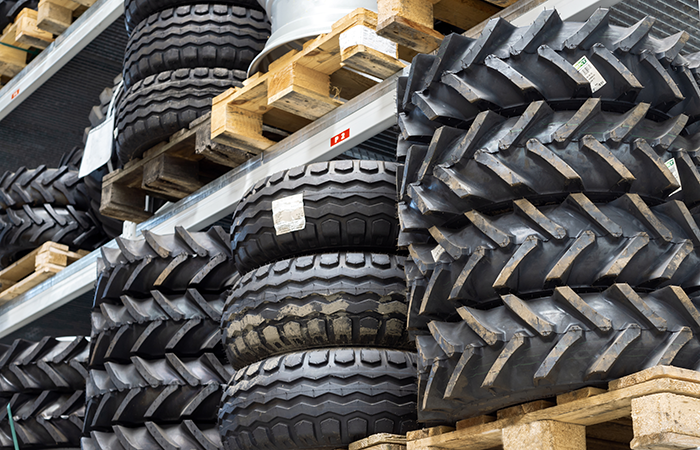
(157, 369)
(44, 384)
(316, 325)
(45, 204)
(546, 204)
(180, 55)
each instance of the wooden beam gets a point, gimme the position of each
(123, 203)
(53, 17)
(544, 435)
(170, 177)
(301, 91)
(408, 23)
(464, 14)
(665, 421)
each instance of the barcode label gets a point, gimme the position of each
(586, 68)
(671, 164)
(437, 252)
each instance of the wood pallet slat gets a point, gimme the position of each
(55, 16)
(19, 37)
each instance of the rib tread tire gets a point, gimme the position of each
(153, 436)
(25, 229)
(348, 205)
(136, 11)
(34, 187)
(577, 243)
(190, 36)
(156, 107)
(320, 399)
(507, 67)
(169, 263)
(326, 300)
(543, 156)
(536, 348)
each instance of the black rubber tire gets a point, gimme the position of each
(541, 347)
(152, 436)
(184, 324)
(508, 67)
(156, 107)
(35, 187)
(44, 420)
(135, 11)
(167, 390)
(170, 263)
(325, 300)
(18, 6)
(190, 36)
(49, 364)
(93, 182)
(348, 205)
(544, 156)
(25, 229)
(576, 243)
(320, 399)
(5, 7)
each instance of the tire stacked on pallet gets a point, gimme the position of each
(545, 204)
(157, 369)
(180, 55)
(316, 324)
(44, 384)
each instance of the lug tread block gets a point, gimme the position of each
(543, 156)
(34, 187)
(199, 260)
(188, 434)
(24, 229)
(622, 241)
(191, 36)
(155, 108)
(506, 67)
(138, 10)
(595, 337)
(304, 400)
(316, 301)
(348, 205)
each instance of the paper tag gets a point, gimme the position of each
(361, 35)
(437, 252)
(288, 214)
(590, 73)
(98, 147)
(671, 164)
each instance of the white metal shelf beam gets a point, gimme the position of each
(86, 28)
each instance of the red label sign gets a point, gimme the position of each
(14, 94)
(338, 138)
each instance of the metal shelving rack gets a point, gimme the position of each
(365, 116)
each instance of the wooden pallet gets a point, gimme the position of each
(657, 408)
(55, 16)
(21, 39)
(171, 170)
(304, 85)
(34, 268)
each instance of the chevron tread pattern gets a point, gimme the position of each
(153, 436)
(154, 108)
(540, 347)
(170, 263)
(319, 399)
(34, 187)
(576, 243)
(190, 36)
(325, 300)
(348, 205)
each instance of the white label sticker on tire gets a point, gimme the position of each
(288, 214)
(437, 252)
(671, 164)
(590, 73)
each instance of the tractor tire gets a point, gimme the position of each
(172, 389)
(541, 347)
(137, 11)
(320, 399)
(35, 187)
(577, 243)
(188, 434)
(170, 263)
(325, 300)
(158, 106)
(543, 156)
(348, 205)
(44, 420)
(48, 365)
(24, 230)
(507, 67)
(183, 324)
(190, 36)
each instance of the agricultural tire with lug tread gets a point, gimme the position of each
(153, 436)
